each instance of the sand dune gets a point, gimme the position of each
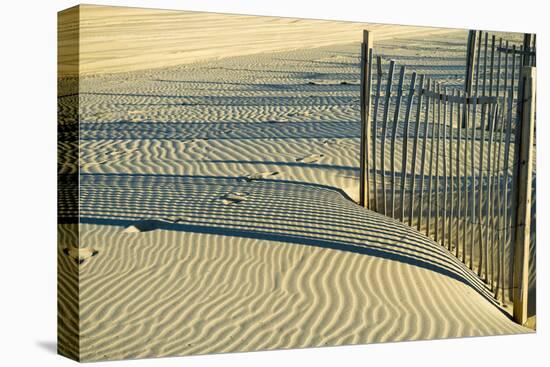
(114, 39)
(271, 272)
(202, 248)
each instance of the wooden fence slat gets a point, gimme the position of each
(497, 189)
(534, 49)
(512, 151)
(492, 65)
(423, 159)
(506, 224)
(499, 71)
(485, 47)
(405, 149)
(430, 169)
(507, 149)
(375, 131)
(506, 72)
(501, 238)
(451, 178)
(437, 138)
(470, 59)
(491, 208)
(443, 228)
(394, 136)
(517, 59)
(526, 57)
(466, 224)
(461, 113)
(366, 85)
(473, 185)
(384, 134)
(481, 218)
(523, 198)
(362, 143)
(504, 227)
(515, 129)
(488, 204)
(415, 147)
(477, 61)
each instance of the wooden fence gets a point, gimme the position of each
(456, 164)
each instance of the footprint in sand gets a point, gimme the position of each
(80, 254)
(320, 82)
(260, 175)
(345, 82)
(283, 119)
(145, 225)
(310, 158)
(330, 142)
(233, 197)
(222, 132)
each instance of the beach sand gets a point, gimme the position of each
(218, 194)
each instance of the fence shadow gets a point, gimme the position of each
(275, 210)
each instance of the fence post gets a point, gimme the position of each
(524, 185)
(470, 53)
(366, 84)
(470, 64)
(526, 57)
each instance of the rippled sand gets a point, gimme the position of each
(217, 196)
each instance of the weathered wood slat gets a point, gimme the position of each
(513, 155)
(526, 55)
(507, 165)
(394, 135)
(366, 85)
(485, 47)
(498, 186)
(490, 212)
(435, 173)
(523, 197)
(473, 186)
(459, 178)
(534, 52)
(470, 59)
(384, 135)
(451, 179)
(444, 159)
(501, 238)
(466, 111)
(478, 56)
(423, 159)
(515, 130)
(506, 222)
(405, 149)
(431, 167)
(480, 195)
(492, 67)
(489, 202)
(375, 131)
(414, 151)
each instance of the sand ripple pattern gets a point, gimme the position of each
(269, 272)
(295, 263)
